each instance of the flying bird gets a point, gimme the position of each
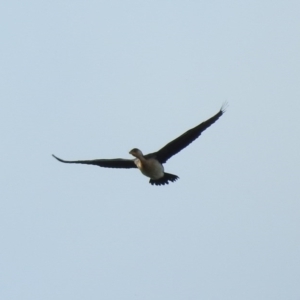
(151, 165)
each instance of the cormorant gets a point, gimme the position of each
(151, 165)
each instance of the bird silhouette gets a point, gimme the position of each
(151, 165)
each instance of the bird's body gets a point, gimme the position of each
(151, 165)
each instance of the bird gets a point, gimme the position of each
(151, 165)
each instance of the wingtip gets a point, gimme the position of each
(56, 157)
(224, 107)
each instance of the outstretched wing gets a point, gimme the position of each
(185, 139)
(106, 163)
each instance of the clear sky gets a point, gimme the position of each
(94, 79)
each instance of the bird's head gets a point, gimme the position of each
(136, 152)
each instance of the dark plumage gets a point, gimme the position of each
(151, 164)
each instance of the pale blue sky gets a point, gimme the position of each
(94, 79)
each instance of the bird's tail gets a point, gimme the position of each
(164, 180)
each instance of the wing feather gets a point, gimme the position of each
(118, 163)
(185, 139)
